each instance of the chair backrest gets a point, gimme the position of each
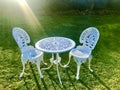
(89, 37)
(21, 37)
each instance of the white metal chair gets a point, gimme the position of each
(81, 53)
(28, 52)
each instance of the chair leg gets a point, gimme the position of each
(23, 63)
(38, 66)
(89, 61)
(57, 58)
(78, 71)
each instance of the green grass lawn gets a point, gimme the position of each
(106, 55)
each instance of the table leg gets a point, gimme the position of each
(66, 65)
(51, 61)
(57, 62)
(57, 58)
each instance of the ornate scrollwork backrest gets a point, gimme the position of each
(89, 37)
(21, 37)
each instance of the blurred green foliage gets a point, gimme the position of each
(78, 4)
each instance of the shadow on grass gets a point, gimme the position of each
(44, 84)
(57, 82)
(63, 87)
(26, 84)
(53, 80)
(82, 82)
(70, 79)
(37, 83)
(98, 78)
(53, 84)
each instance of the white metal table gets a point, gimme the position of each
(55, 45)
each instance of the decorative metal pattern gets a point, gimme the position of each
(89, 37)
(27, 52)
(81, 53)
(21, 37)
(55, 44)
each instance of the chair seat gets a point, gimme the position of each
(31, 53)
(35, 55)
(80, 52)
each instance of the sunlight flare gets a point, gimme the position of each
(30, 16)
(21, 2)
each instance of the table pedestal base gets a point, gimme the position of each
(56, 61)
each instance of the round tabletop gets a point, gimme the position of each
(55, 44)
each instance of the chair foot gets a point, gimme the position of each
(45, 63)
(91, 70)
(21, 75)
(77, 78)
(41, 76)
(65, 66)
